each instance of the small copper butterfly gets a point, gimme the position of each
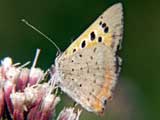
(87, 71)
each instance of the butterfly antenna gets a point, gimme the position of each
(45, 36)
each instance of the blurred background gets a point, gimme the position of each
(137, 94)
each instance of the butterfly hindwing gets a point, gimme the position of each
(84, 77)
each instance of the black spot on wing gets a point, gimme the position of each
(83, 44)
(80, 85)
(103, 25)
(92, 36)
(80, 55)
(74, 50)
(100, 39)
(94, 81)
(100, 23)
(105, 102)
(106, 29)
(94, 50)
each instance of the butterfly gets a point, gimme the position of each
(87, 70)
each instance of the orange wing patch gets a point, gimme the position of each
(105, 92)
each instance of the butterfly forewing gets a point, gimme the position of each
(107, 28)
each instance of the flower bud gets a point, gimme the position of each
(6, 64)
(18, 101)
(69, 114)
(12, 74)
(8, 88)
(1, 101)
(22, 79)
(48, 106)
(36, 74)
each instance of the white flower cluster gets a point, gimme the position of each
(23, 97)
